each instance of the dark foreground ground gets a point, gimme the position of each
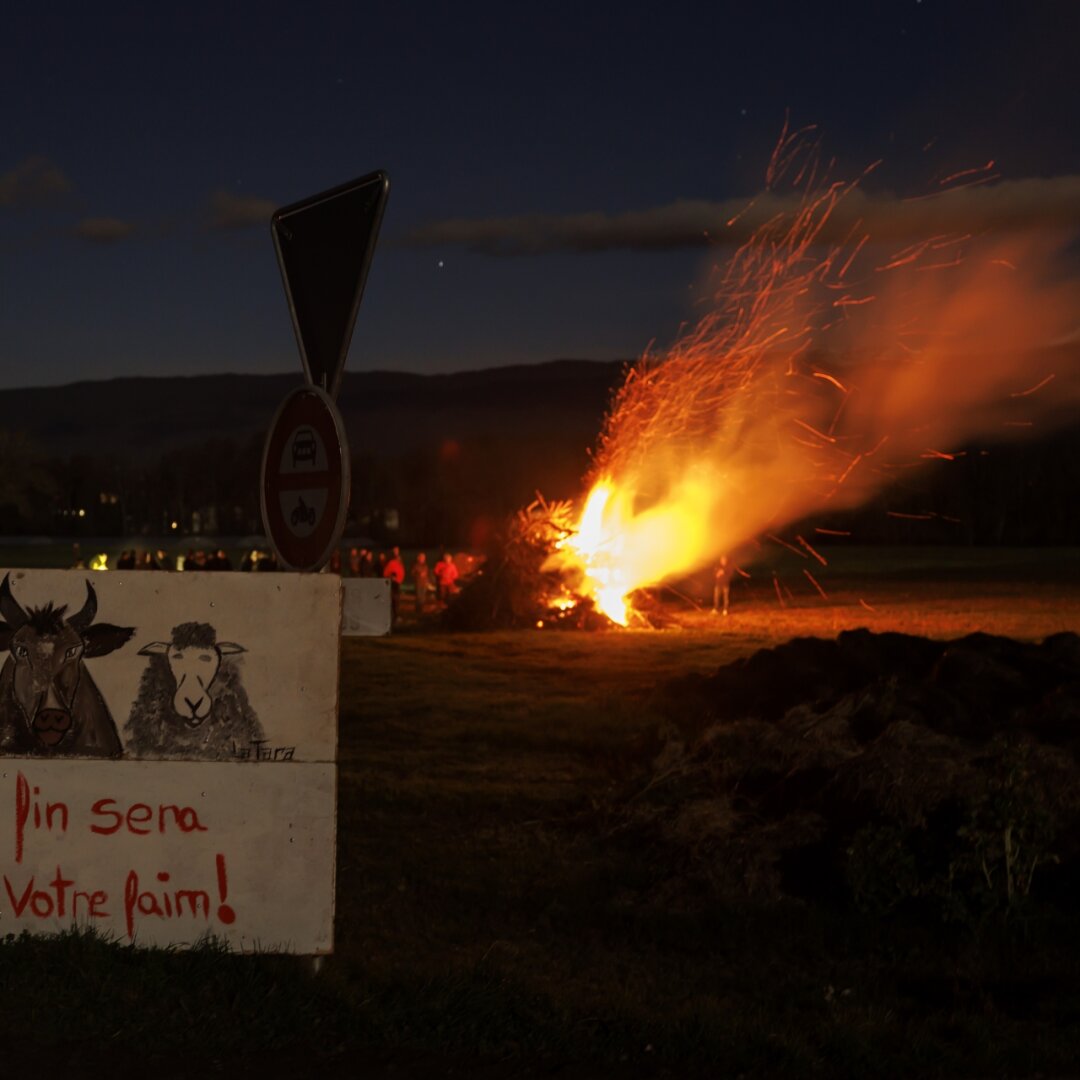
(502, 911)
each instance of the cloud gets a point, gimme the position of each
(1007, 205)
(103, 230)
(34, 181)
(229, 211)
(680, 224)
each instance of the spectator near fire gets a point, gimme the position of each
(446, 574)
(394, 572)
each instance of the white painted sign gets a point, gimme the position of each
(162, 853)
(207, 666)
(167, 755)
(366, 609)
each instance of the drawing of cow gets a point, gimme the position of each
(191, 703)
(49, 704)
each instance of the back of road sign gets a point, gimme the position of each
(324, 246)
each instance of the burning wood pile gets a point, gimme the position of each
(517, 587)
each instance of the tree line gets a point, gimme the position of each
(458, 493)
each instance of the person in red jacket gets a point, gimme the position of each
(446, 573)
(394, 572)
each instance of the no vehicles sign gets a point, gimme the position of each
(305, 479)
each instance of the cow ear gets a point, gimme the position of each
(102, 638)
(6, 634)
(155, 648)
(229, 648)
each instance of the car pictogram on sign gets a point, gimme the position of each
(304, 447)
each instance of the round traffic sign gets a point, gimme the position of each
(305, 479)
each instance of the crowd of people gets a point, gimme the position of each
(432, 586)
(195, 559)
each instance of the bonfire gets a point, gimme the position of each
(514, 588)
(826, 363)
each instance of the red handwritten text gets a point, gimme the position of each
(164, 903)
(141, 819)
(28, 809)
(58, 899)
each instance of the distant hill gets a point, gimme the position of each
(452, 454)
(385, 412)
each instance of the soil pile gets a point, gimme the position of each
(883, 770)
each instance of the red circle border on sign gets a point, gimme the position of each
(310, 406)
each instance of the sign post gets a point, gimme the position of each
(324, 247)
(178, 777)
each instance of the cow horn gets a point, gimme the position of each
(10, 608)
(83, 618)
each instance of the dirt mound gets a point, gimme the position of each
(975, 686)
(878, 769)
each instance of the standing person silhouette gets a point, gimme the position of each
(421, 575)
(722, 584)
(446, 573)
(394, 572)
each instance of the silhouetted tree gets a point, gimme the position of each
(27, 486)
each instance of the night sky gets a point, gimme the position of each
(552, 173)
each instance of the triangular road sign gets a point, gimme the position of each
(324, 247)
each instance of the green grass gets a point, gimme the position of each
(492, 917)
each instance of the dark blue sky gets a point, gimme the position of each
(143, 148)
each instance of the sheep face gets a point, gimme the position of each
(193, 669)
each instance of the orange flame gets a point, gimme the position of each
(812, 365)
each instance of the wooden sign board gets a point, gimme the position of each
(168, 742)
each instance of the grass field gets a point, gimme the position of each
(492, 920)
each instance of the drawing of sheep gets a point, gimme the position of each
(191, 703)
